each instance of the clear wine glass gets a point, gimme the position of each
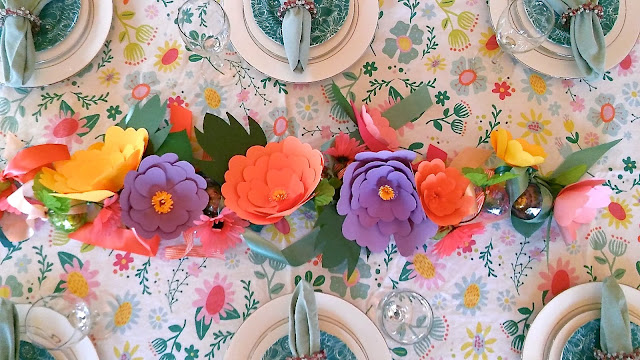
(204, 28)
(405, 316)
(523, 28)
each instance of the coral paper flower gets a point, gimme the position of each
(345, 148)
(578, 203)
(516, 152)
(163, 197)
(98, 172)
(271, 182)
(379, 198)
(375, 130)
(219, 233)
(443, 192)
(459, 238)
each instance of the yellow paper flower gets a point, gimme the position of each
(98, 172)
(516, 152)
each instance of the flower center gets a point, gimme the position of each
(170, 56)
(66, 127)
(215, 300)
(467, 77)
(424, 266)
(404, 43)
(478, 344)
(617, 211)
(537, 84)
(472, 296)
(634, 94)
(280, 125)
(534, 126)
(140, 91)
(278, 195)
(492, 43)
(212, 97)
(607, 112)
(386, 193)
(77, 284)
(5, 292)
(560, 282)
(307, 108)
(123, 314)
(162, 202)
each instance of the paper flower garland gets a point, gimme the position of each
(163, 197)
(375, 130)
(577, 204)
(379, 198)
(516, 152)
(271, 182)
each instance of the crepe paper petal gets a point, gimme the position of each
(458, 238)
(516, 152)
(27, 162)
(89, 196)
(16, 228)
(379, 199)
(18, 199)
(375, 130)
(272, 181)
(12, 146)
(443, 193)
(470, 157)
(102, 166)
(180, 251)
(4, 203)
(120, 240)
(577, 204)
(410, 108)
(434, 152)
(181, 119)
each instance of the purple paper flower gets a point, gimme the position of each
(379, 198)
(163, 197)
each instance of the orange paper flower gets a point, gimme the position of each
(269, 183)
(98, 172)
(516, 152)
(443, 194)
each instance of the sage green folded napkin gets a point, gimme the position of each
(17, 51)
(9, 330)
(587, 39)
(296, 35)
(304, 328)
(615, 328)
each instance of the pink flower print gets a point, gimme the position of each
(507, 237)
(325, 132)
(628, 64)
(194, 269)
(568, 83)
(151, 11)
(428, 270)
(408, 126)
(122, 261)
(578, 104)
(65, 128)
(213, 299)
(243, 96)
(537, 253)
(300, 86)
(591, 139)
(79, 280)
(254, 115)
(174, 101)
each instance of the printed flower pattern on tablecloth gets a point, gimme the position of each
(169, 56)
(536, 87)
(608, 114)
(467, 73)
(631, 93)
(627, 66)
(557, 279)
(428, 270)
(353, 285)
(307, 108)
(406, 38)
(10, 287)
(124, 314)
(479, 345)
(140, 85)
(535, 126)
(282, 231)
(22, 263)
(506, 300)
(281, 125)
(127, 353)
(109, 76)
(79, 280)
(213, 298)
(158, 317)
(488, 44)
(211, 97)
(618, 213)
(435, 63)
(64, 128)
(471, 295)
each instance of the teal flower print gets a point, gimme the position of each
(471, 295)
(340, 284)
(608, 114)
(629, 165)
(192, 353)
(536, 86)
(124, 313)
(10, 288)
(307, 107)
(186, 16)
(24, 261)
(113, 112)
(631, 93)
(211, 97)
(406, 36)
(442, 97)
(369, 68)
(467, 75)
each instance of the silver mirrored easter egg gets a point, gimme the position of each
(529, 204)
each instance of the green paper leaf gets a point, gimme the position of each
(570, 176)
(410, 108)
(66, 109)
(149, 116)
(177, 143)
(91, 121)
(222, 141)
(619, 273)
(336, 249)
(336, 95)
(585, 157)
(496, 179)
(201, 325)
(302, 250)
(67, 259)
(56, 204)
(477, 179)
(516, 186)
(324, 193)
(525, 229)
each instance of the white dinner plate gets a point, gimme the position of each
(336, 316)
(555, 60)
(78, 49)
(325, 60)
(83, 350)
(565, 314)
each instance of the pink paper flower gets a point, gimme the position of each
(578, 203)
(344, 148)
(375, 130)
(221, 232)
(460, 238)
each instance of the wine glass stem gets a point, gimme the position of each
(497, 56)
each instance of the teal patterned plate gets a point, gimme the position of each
(560, 33)
(28, 351)
(581, 344)
(58, 18)
(331, 17)
(333, 346)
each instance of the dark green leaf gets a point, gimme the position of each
(511, 327)
(619, 273)
(544, 296)
(416, 146)
(638, 267)
(446, 111)
(222, 141)
(350, 76)
(437, 125)
(168, 356)
(395, 94)
(178, 346)
(342, 102)
(201, 325)
(194, 35)
(571, 140)
(336, 249)
(319, 281)
(277, 288)
(195, 57)
(577, 137)
(230, 314)
(66, 109)
(59, 289)
(297, 279)
(91, 121)
(67, 259)
(179, 144)
(405, 274)
(308, 276)
(175, 328)
(524, 311)
(21, 110)
(600, 260)
(400, 351)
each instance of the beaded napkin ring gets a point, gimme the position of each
(320, 355)
(587, 7)
(307, 4)
(35, 21)
(601, 355)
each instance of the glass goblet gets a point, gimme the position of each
(204, 28)
(405, 316)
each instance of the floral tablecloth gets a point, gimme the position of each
(485, 296)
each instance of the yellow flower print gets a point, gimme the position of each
(109, 77)
(535, 126)
(618, 213)
(283, 230)
(169, 56)
(124, 313)
(435, 63)
(489, 45)
(127, 352)
(479, 344)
